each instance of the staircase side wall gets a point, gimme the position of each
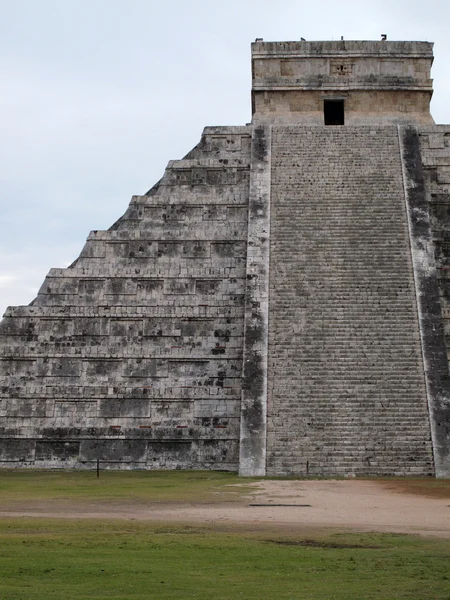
(435, 155)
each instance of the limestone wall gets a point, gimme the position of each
(337, 64)
(435, 150)
(362, 107)
(379, 82)
(435, 156)
(133, 354)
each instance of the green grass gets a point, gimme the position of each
(96, 559)
(154, 486)
(41, 559)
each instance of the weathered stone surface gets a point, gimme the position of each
(379, 82)
(435, 154)
(140, 339)
(346, 383)
(254, 376)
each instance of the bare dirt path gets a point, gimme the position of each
(353, 504)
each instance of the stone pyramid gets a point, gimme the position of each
(276, 304)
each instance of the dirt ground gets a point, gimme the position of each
(359, 505)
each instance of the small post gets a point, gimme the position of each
(98, 468)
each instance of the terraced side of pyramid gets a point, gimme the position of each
(132, 355)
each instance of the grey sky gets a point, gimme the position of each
(97, 96)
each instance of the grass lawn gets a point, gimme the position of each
(92, 559)
(163, 486)
(155, 486)
(96, 559)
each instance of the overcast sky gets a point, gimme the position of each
(98, 95)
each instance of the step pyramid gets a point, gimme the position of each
(278, 303)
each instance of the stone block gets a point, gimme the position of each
(123, 451)
(126, 327)
(169, 454)
(17, 450)
(124, 407)
(53, 451)
(145, 367)
(176, 410)
(179, 286)
(26, 407)
(102, 368)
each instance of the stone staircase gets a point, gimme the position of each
(346, 382)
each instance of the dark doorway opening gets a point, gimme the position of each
(333, 112)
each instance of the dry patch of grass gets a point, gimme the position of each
(430, 488)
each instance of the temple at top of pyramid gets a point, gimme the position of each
(344, 82)
(278, 303)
